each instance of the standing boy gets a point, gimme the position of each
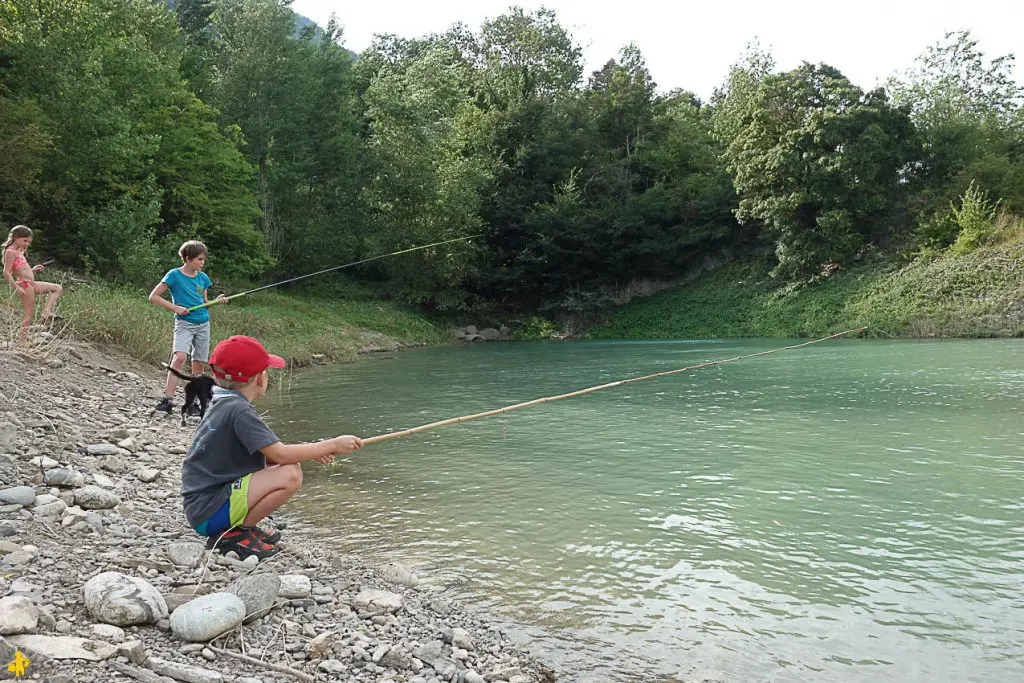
(188, 286)
(237, 471)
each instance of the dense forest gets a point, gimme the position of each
(127, 126)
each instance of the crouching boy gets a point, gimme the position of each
(237, 471)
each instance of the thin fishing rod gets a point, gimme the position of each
(328, 270)
(581, 392)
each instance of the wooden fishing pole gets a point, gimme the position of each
(590, 390)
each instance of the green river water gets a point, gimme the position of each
(850, 511)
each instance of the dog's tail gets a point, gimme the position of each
(179, 373)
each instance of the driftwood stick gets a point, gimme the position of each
(302, 676)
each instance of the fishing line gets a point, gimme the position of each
(328, 270)
(581, 392)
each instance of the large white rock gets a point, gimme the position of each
(64, 647)
(207, 617)
(17, 615)
(114, 598)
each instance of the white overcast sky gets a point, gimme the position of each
(691, 44)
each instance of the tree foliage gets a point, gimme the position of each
(127, 126)
(817, 161)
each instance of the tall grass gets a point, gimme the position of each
(297, 326)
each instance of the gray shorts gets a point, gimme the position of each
(195, 336)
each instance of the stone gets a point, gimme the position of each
(134, 651)
(396, 658)
(177, 450)
(183, 672)
(185, 554)
(95, 498)
(64, 647)
(398, 574)
(207, 617)
(9, 547)
(489, 334)
(473, 677)
(8, 433)
(372, 600)
(332, 666)
(320, 645)
(51, 510)
(18, 495)
(503, 673)
(460, 638)
(104, 481)
(43, 462)
(295, 586)
(259, 594)
(128, 444)
(430, 652)
(17, 615)
(63, 477)
(102, 449)
(176, 600)
(107, 632)
(441, 606)
(114, 598)
(148, 475)
(379, 653)
(6, 652)
(17, 559)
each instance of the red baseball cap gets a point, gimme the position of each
(240, 358)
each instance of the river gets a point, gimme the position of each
(850, 511)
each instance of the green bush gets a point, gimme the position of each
(975, 219)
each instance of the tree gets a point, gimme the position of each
(818, 162)
(427, 168)
(101, 81)
(969, 112)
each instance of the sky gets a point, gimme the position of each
(691, 45)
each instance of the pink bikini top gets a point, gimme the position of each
(19, 260)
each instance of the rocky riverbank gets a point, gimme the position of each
(101, 580)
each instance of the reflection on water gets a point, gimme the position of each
(850, 511)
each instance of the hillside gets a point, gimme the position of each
(980, 294)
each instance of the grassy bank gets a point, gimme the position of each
(979, 294)
(295, 324)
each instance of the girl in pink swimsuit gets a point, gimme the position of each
(22, 277)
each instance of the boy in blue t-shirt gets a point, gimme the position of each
(187, 285)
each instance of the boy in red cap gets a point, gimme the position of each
(237, 471)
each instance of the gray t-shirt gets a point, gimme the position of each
(226, 447)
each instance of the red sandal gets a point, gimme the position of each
(244, 542)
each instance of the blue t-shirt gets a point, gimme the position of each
(188, 292)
